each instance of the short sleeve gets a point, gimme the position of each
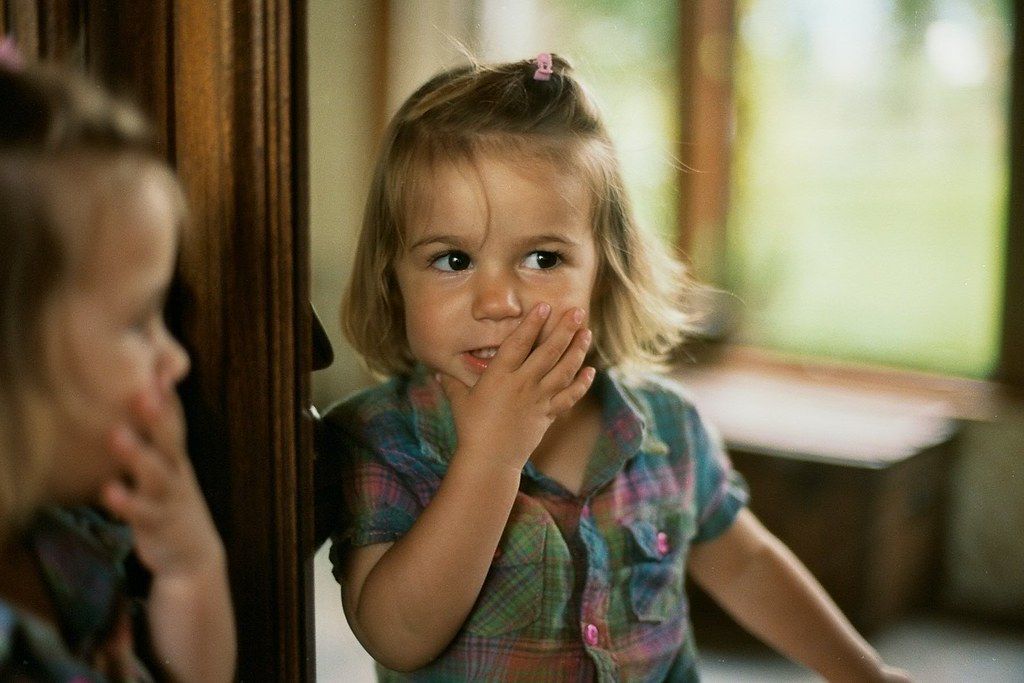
(375, 471)
(720, 491)
(380, 508)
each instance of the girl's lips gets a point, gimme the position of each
(474, 363)
(477, 359)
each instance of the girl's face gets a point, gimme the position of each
(107, 342)
(486, 242)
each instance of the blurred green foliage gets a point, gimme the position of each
(869, 180)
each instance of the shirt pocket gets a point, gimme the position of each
(658, 556)
(510, 598)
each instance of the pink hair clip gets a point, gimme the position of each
(544, 67)
(10, 55)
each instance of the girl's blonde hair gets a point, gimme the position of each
(638, 313)
(54, 126)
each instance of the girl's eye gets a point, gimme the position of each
(542, 260)
(451, 261)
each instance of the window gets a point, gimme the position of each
(869, 179)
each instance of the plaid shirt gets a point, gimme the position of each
(81, 558)
(582, 588)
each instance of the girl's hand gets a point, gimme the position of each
(191, 621)
(159, 496)
(523, 389)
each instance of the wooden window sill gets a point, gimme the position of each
(834, 412)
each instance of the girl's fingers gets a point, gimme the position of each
(163, 422)
(547, 355)
(144, 467)
(568, 366)
(517, 346)
(126, 505)
(115, 498)
(452, 387)
(570, 396)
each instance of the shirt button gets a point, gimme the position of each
(585, 510)
(590, 634)
(663, 546)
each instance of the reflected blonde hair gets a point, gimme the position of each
(62, 138)
(638, 315)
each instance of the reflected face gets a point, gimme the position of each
(106, 341)
(486, 242)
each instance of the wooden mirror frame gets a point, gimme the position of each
(224, 83)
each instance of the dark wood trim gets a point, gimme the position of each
(21, 21)
(302, 285)
(706, 29)
(247, 268)
(137, 63)
(61, 37)
(1011, 351)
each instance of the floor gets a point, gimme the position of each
(932, 650)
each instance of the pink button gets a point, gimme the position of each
(590, 634)
(585, 510)
(663, 543)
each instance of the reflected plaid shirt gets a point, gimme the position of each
(582, 588)
(81, 556)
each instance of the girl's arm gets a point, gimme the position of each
(189, 605)
(761, 583)
(407, 600)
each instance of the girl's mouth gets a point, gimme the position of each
(478, 359)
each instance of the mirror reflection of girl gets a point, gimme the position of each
(524, 496)
(89, 419)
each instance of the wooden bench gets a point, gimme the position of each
(853, 479)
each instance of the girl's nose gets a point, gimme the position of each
(496, 297)
(174, 361)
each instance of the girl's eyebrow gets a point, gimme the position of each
(457, 241)
(549, 238)
(453, 240)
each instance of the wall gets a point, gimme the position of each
(342, 144)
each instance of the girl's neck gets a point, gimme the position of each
(565, 450)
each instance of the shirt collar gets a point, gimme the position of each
(432, 415)
(80, 554)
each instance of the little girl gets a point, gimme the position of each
(89, 223)
(523, 499)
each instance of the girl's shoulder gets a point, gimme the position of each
(656, 394)
(80, 554)
(368, 401)
(384, 408)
